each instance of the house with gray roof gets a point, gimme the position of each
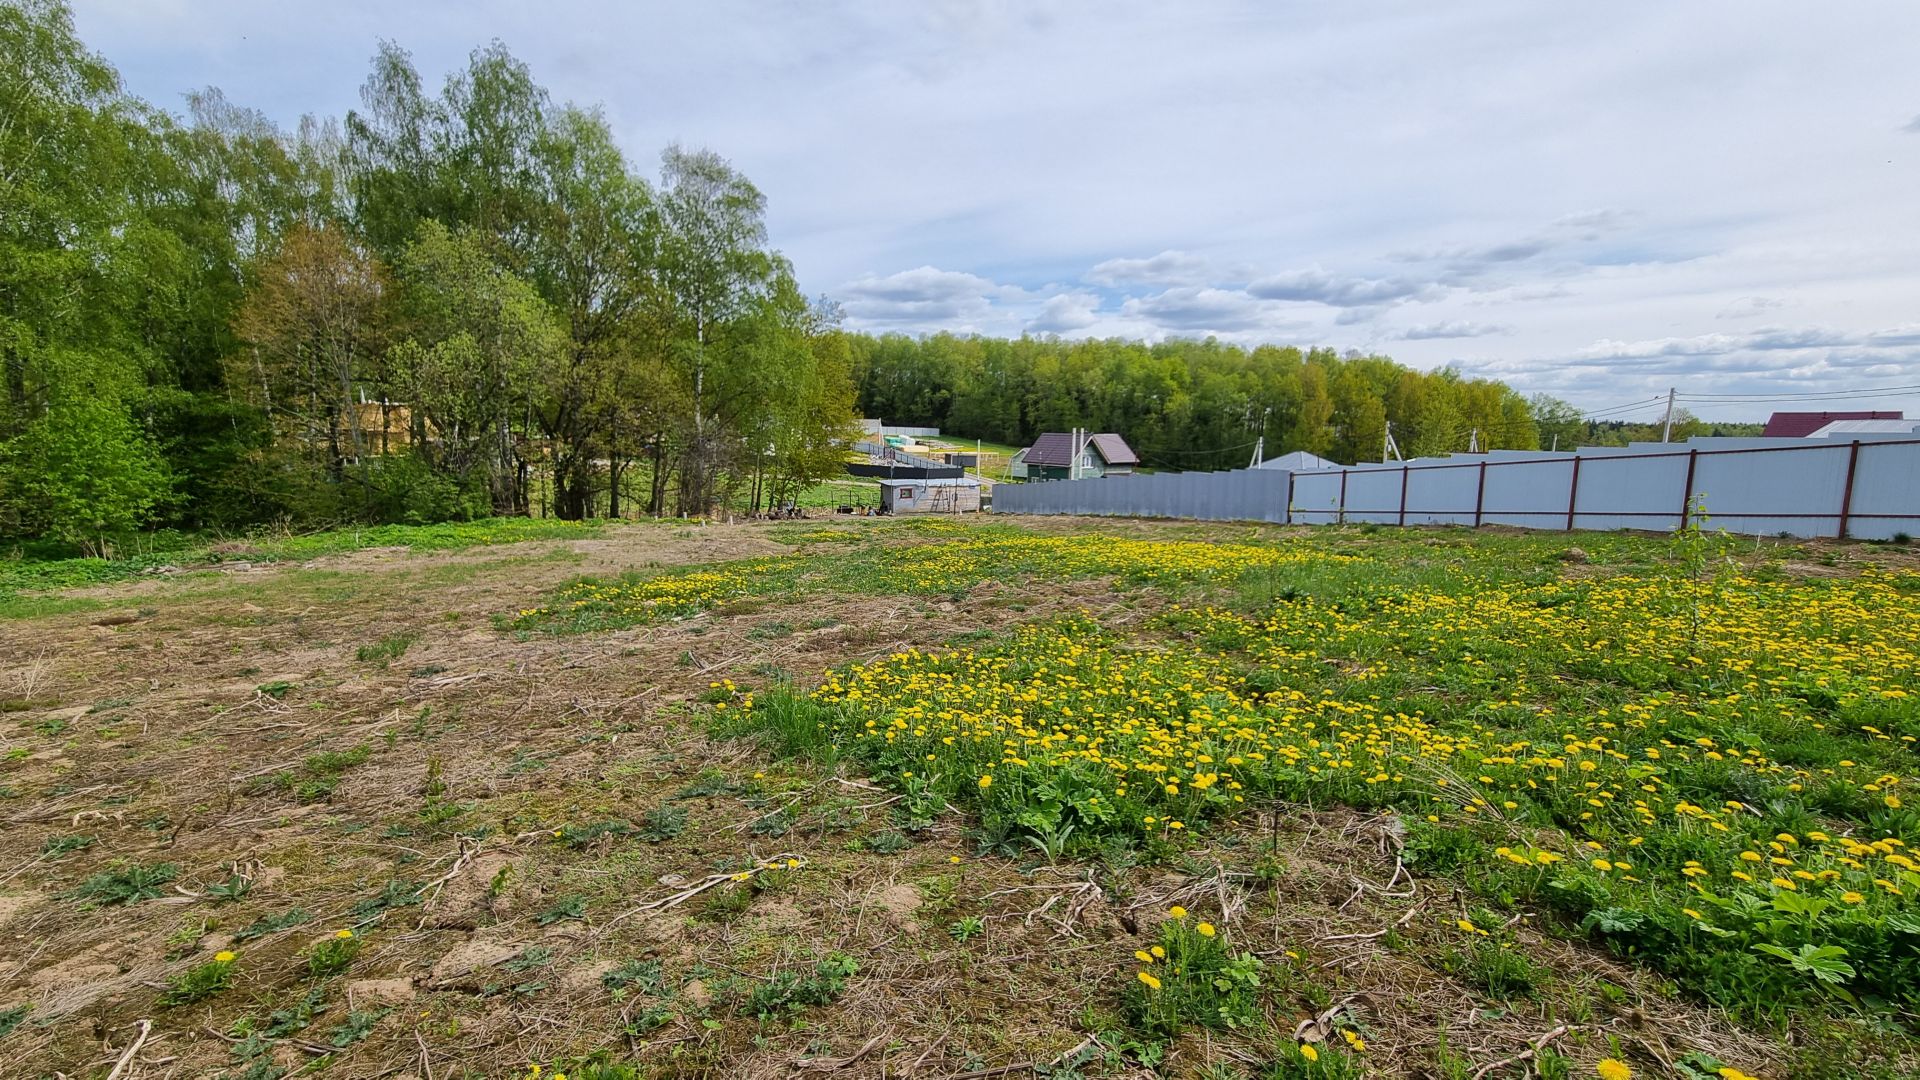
(1051, 457)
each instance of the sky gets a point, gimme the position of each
(1599, 202)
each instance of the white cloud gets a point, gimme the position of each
(1747, 307)
(1595, 185)
(1166, 268)
(1066, 312)
(1453, 329)
(1316, 286)
(1190, 309)
(924, 295)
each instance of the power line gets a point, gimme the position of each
(1790, 398)
(1622, 409)
(1771, 395)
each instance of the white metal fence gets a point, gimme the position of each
(1868, 489)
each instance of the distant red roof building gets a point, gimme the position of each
(1799, 425)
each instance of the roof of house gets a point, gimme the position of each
(1799, 425)
(1056, 448)
(1866, 427)
(1298, 461)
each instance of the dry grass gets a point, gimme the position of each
(161, 736)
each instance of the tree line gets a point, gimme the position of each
(1186, 404)
(467, 300)
(446, 304)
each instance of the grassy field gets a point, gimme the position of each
(962, 798)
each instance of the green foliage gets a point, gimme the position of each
(12, 1017)
(332, 955)
(1184, 404)
(888, 842)
(386, 650)
(644, 975)
(790, 991)
(82, 472)
(1320, 1061)
(296, 1017)
(580, 836)
(358, 1025)
(56, 846)
(1492, 966)
(1193, 978)
(124, 883)
(567, 907)
(273, 924)
(663, 823)
(198, 983)
(394, 894)
(532, 957)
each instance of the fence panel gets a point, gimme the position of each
(1886, 491)
(1628, 491)
(1443, 494)
(1316, 496)
(1871, 488)
(1529, 494)
(1763, 492)
(1373, 494)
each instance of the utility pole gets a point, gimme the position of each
(1666, 428)
(1258, 445)
(1391, 448)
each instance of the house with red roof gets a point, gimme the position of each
(1799, 425)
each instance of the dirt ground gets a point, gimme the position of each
(181, 726)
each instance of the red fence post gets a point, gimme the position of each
(1686, 489)
(1404, 471)
(1480, 496)
(1846, 493)
(1573, 491)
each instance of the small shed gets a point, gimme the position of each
(943, 496)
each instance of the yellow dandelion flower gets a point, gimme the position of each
(1145, 977)
(1612, 1069)
(1307, 1051)
(223, 957)
(1206, 929)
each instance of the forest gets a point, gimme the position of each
(447, 304)
(470, 301)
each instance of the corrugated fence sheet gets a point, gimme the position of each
(1867, 489)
